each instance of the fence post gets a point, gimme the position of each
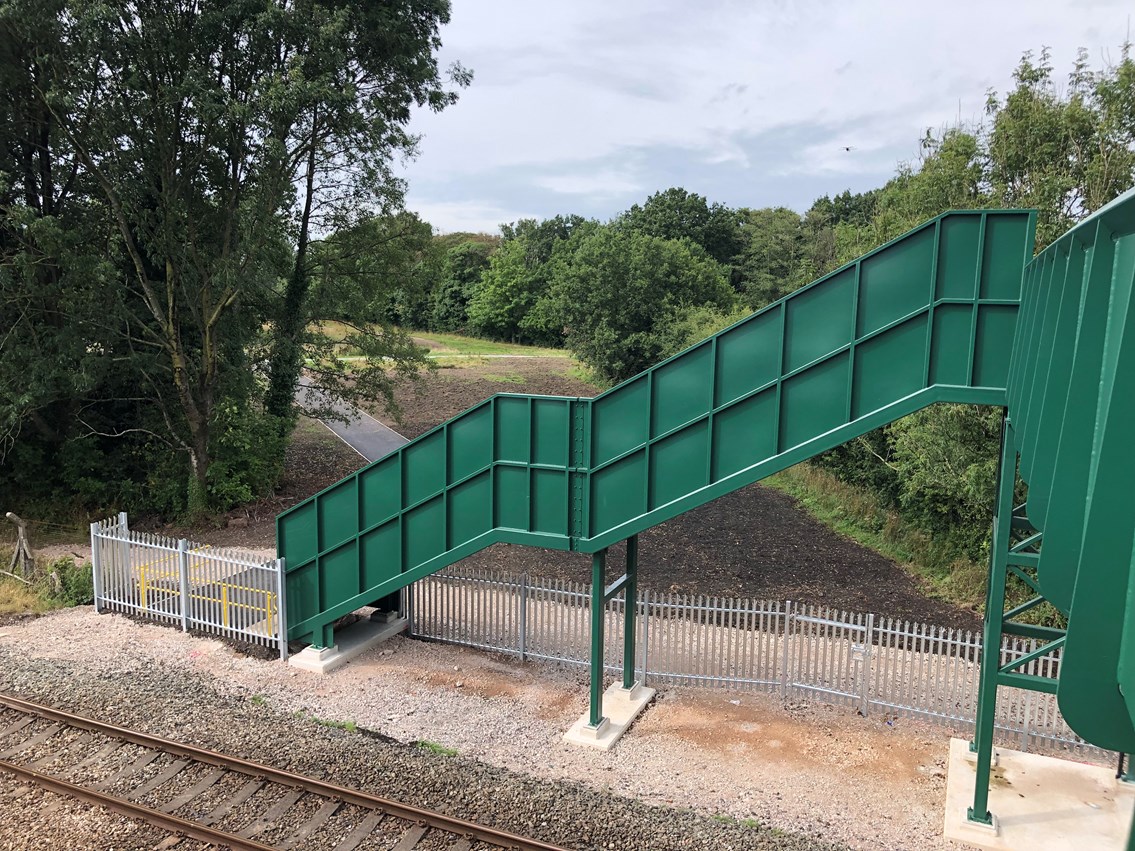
(183, 581)
(123, 535)
(523, 614)
(645, 620)
(865, 670)
(96, 565)
(282, 607)
(784, 649)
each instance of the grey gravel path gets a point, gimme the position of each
(363, 433)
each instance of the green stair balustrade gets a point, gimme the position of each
(928, 317)
(1072, 407)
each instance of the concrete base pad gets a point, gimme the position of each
(1039, 803)
(620, 707)
(349, 643)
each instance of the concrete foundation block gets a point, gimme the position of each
(620, 708)
(350, 642)
(1038, 802)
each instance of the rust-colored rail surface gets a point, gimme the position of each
(39, 732)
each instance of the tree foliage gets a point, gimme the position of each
(617, 294)
(148, 177)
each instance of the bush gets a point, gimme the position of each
(65, 583)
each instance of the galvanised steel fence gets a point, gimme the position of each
(876, 665)
(226, 592)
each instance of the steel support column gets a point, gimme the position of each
(630, 610)
(598, 606)
(982, 742)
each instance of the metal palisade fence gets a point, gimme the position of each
(876, 665)
(223, 591)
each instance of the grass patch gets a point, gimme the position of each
(441, 344)
(258, 700)
(18, 598)
(435, 748)
(349, 726)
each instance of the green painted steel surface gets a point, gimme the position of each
(1072, 405)
(928, 317)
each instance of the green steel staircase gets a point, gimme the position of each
(956, 310)
(928, 317)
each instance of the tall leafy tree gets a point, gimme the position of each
(190, 146)
(618, 293)
(676, 214)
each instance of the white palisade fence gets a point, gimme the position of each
(227, 592)
(876, 665)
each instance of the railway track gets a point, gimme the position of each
(216, 798)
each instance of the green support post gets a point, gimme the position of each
(598, 605)
(630, 611)
(982, 742)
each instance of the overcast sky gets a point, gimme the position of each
(588, 107)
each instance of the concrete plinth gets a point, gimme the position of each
(349, 643)
(620, 707)
(1039, 803)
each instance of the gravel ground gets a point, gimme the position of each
(700, 770)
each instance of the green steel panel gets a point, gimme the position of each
(896, 283)
(994, 344)
(1069, 486)
(470, 443)
(619, 419)
(512, 427)
(423, 467)
(1001, 257)
(748, 356)
(338, 515)
(469, 512)
(815, 401)
(424, 532)
(682, 390)
(296, 532)
(819, 319)
(381, 554)
(551, 432)
(618, 493)
(380, 491)
(679, 464)
(510, 512)
(339, 572)
(958, 250)
(1045, 442)
(868, 343)
(549, 502)
(744, 434)
(951, 344)
(889, 366)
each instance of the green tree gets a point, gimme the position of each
(677, 214)
(175, 134)
(464, 264)
(504, 305)
(769, 261)
(618, 293)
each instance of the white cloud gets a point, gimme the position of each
(466, 216)
(604, 183)
(559, 86)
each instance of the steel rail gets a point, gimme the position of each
(482, 833)
(172, 823)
